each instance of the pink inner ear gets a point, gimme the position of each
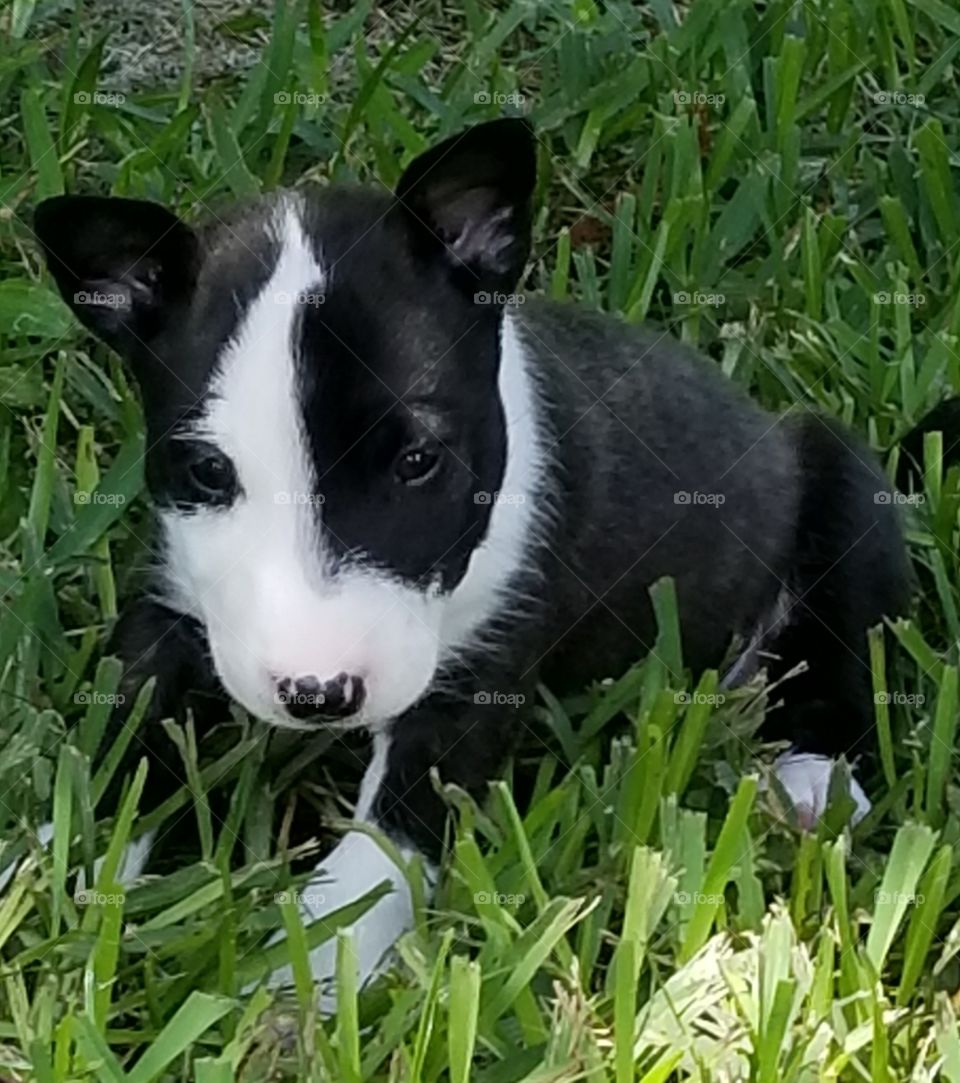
(476, 228)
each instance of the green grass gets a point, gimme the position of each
(776, 182)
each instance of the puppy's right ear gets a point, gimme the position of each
(468, 202)
(125, 266)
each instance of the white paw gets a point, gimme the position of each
(44, 835)
(354, 868)
(806, 778)
(132, 862)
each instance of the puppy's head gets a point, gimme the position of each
(319, 375)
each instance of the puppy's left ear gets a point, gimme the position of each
(468, 202)
(125, 266)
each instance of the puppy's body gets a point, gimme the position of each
(781, 525)
(387, 499)
(679, 464)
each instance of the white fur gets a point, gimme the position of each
(521, 503)
(135, 857)
(257, 574)
(44, 837)
(355, 867)
(132, 862)
(806, 778)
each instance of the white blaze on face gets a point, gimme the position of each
(258, 574)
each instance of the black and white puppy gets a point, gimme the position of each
(388, 499)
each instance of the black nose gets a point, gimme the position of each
(308, 698)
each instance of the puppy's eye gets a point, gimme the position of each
(416, 464)
(212, 474)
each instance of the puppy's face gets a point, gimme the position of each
(320, 387)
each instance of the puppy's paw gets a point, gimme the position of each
(806, 778)
(356, 867)
(132, 862)
(43, 836)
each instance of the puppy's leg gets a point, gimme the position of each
(356, 866)
(849, 571)
(398, 796)
(151, 641)
(154, 641)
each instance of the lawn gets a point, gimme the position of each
(775, 182)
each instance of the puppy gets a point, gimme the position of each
(388, 498)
